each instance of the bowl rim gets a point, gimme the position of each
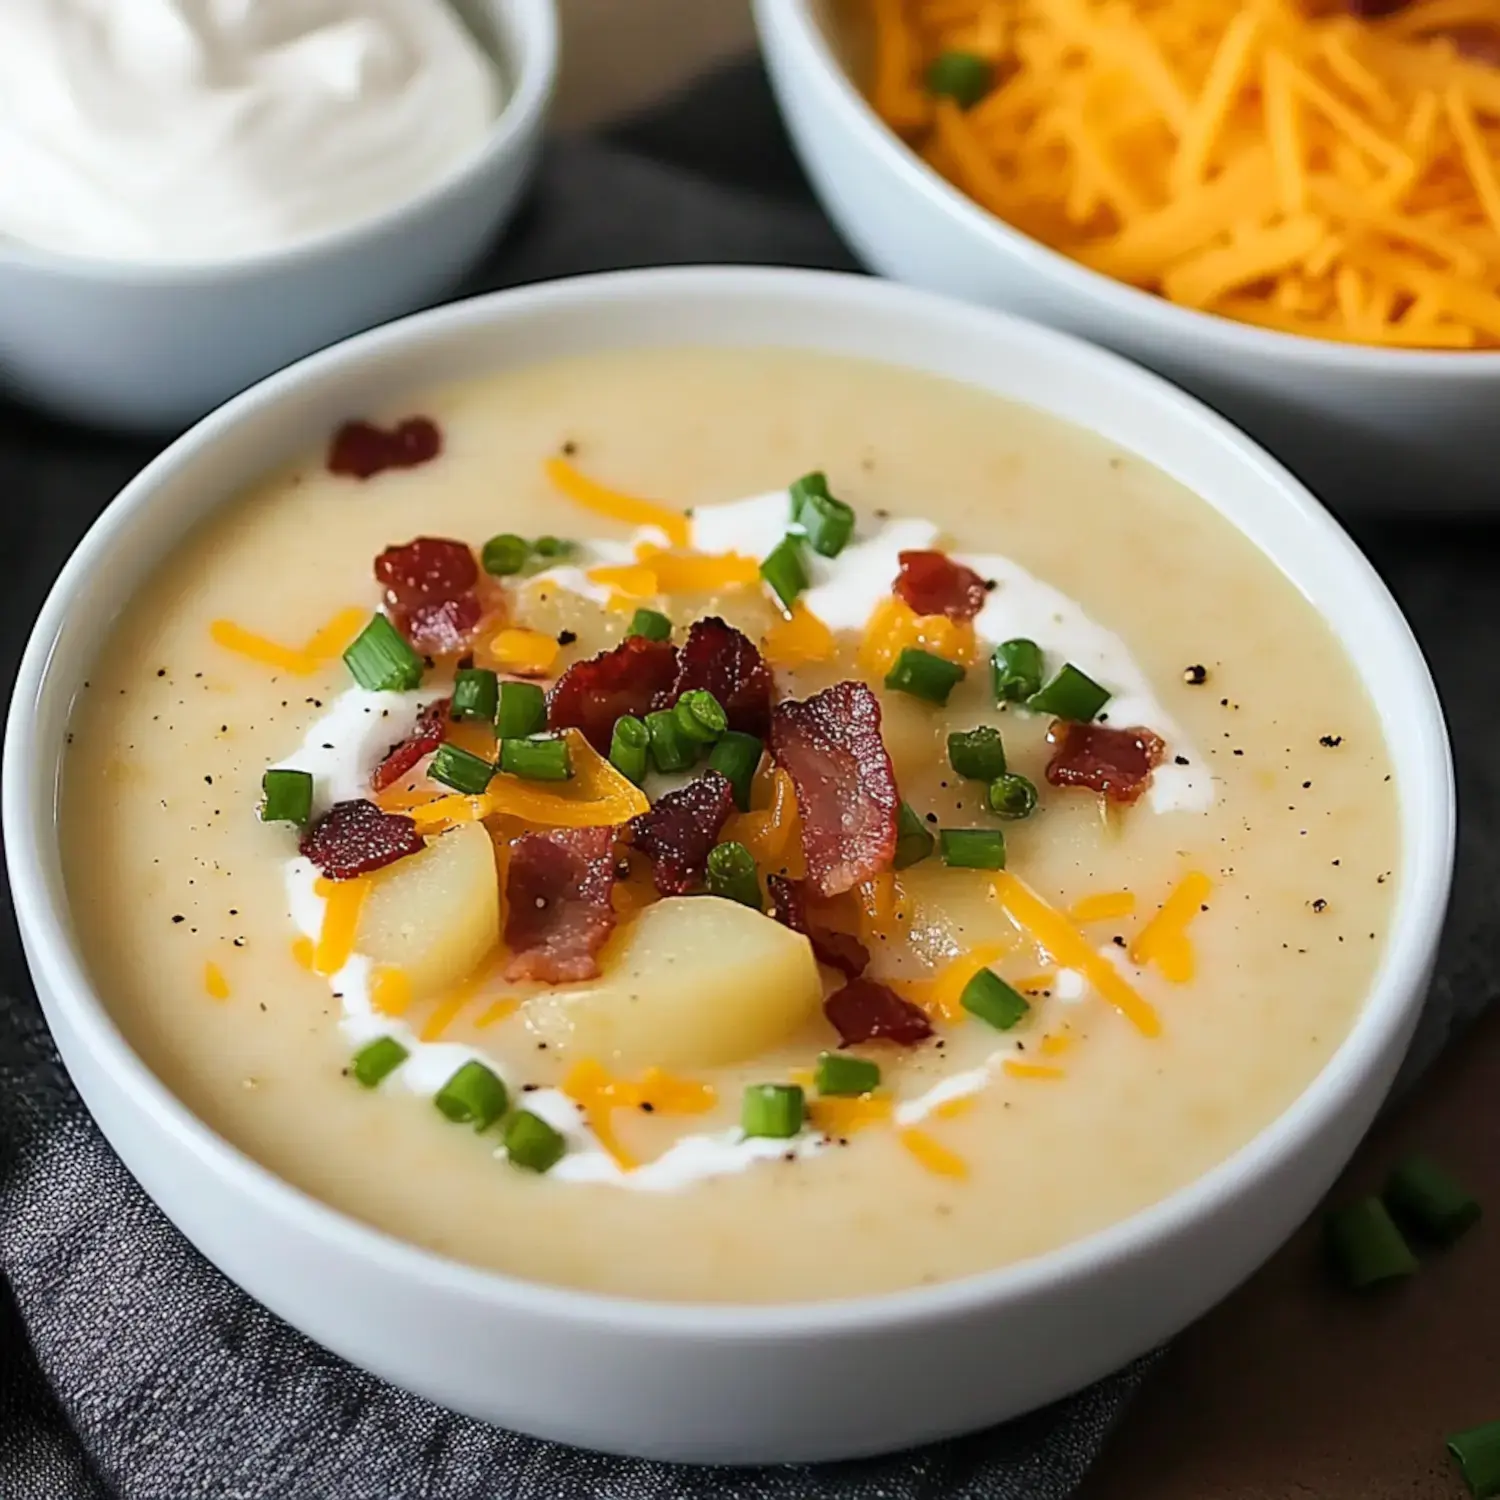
(531, 68)
(1232, 339)
(30, 781)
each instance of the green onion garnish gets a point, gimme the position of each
(1071, 695)
(377, 1060)
(671, 749)
(531, 1143)
(973, 848)
(737, 757)
(977, 754)
(522, 710)
(785, 571)
(1011, 796)
(454, 766)
(288, 797)
(1478, 1455)
(772, 1109)
(1017, 668)
(381, 661)
(913, 841)
(1423, 1197)
(472, 1096)
(505, 555)
(845, 1076)
(963, 77)
(732, 874)
(924, 675)
(700, 716)
(990, 998)
(827, 522)
(476, 694)
(1366, 1246)
(545, 758)
(628, 744)
(650, 623)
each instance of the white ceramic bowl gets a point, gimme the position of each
(157, 346)
(712, 1382)
(1365, 427)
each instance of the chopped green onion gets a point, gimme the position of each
(1478, 1455)
(522, 710)
(531, 1143)
(288, 797)
(1423, 1197)
(977, 754)
(924, 675)
(802, 490)
(476, 694)
(1011, 796)
(913, 841)
(963, 77)
(381, 661)
(772, 1109)
(841, 1075)
(377, 1060)
(505, 554)
(628, 744)
(973, 848)
(990, 998)
(700, 716)
(827, 522)
(1071, 695)
(732, 874)
(553, 548)
(463, 771)
(545, 758)
(1366, 1246)
(737, 757)
(671, 749)
(472, 1096)
(650, 623)
(785, 571)
(1017, 667)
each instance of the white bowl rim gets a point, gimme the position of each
(534, 77)
(30, 778)
(1229, 337)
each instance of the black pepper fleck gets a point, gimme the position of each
(1196, 675)
(1330, 741)
(566, 637)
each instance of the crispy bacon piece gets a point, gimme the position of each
(830, 746)
(1115, 762)
(1476, 41)
(361, 450)
(864, 1011)
(354, 838)
(717, 657)
(680, 829)
(426, 736)
(432, 591)
(933, 584)
(839, 950)
(558, 909)
(592, 694)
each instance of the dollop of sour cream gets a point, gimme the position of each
(177, 130)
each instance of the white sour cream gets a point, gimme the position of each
(177, 130)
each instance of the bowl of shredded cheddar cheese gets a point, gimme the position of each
(1292, 207)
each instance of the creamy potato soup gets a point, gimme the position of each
(728, 826)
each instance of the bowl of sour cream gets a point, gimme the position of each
(194, 193)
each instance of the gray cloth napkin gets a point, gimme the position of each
(129, 1367)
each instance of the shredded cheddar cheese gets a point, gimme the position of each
(767, 831)
(631, 582)
(1014, 1067)
(1104, 907)
(895, 626)
(344, 900)
(939, 996)
(798, 638)
(696, 572)
(444, 1014)
(497, 1010)
(390, 991)
(527, 653)
(592, 1088)
(302, 952)
(215, 982)
(933, 1155)
(604, 501)
(1163, 941)
(843, 1117)
(326, 643)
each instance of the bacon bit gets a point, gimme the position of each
(431, 589)
(361, 450)
(592, 694)
(1115, 762)
(839, 950)
(680, 829)
(718, 658)
(425, 737)
(932, 1154)
(933, 584)
(830, 746)
(1476, 41)
(558, 908)
(353, 838)
(864, 1011)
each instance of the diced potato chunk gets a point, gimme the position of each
(436, 915)
(695, 982)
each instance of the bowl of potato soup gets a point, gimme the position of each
(729, 865)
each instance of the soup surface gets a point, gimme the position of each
(1182, 933)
